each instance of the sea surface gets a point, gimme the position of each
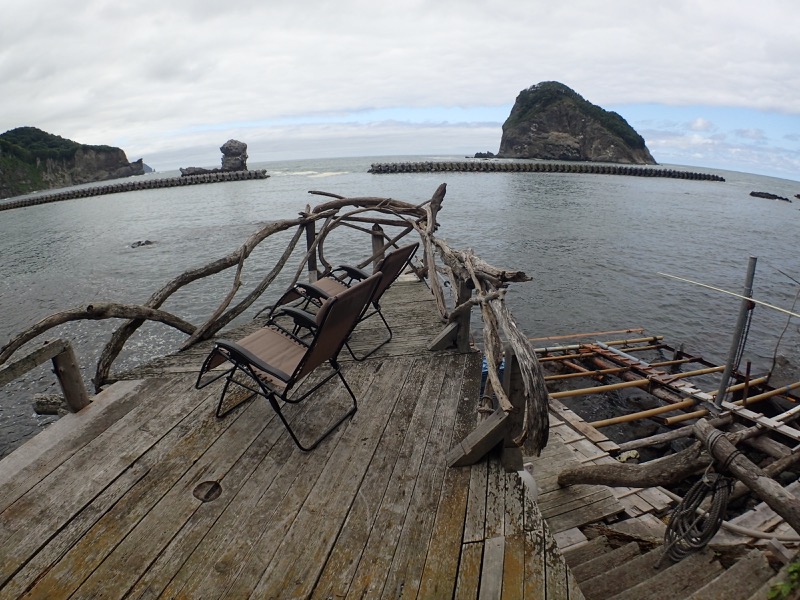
(593, 244)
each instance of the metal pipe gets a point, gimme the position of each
(744, 308)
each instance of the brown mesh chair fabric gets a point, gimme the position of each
(392, 265)
(272, 361)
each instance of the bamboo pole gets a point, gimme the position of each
(600, 389)
(752, 399)
(585, 373)
(622, 342)
(696, 373)
(585, 335)
(644, 414)
(686, 403)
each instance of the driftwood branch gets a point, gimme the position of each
(214, 324)
(664, 471)
(94, 312)
(121, 335)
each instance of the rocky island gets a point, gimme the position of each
(552, 122)
(32, 159)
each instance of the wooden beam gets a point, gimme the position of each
(446, 339)
(16, 369)
(483, 438)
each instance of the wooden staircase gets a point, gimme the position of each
(627, 572)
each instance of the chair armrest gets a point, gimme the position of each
(312, 291)
(353, 272)
(301, 317)
(242, 356)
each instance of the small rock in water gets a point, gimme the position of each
(49, 404)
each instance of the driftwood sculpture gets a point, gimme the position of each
(473, 281)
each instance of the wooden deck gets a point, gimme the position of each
(145, 493)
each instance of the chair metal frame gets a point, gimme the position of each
(245, 362)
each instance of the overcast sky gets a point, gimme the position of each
(707, 83)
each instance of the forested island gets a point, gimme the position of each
(550, 121)
(32, 160)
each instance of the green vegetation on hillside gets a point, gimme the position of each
(541, 96)
(30, 143)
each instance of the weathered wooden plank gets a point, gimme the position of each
(288, 519)
(475, 520)
(380, 538)
(740, 581)
(300, 557)
(351, 543)
(514, 557)
(30, 463)
(469, 571)
(409, 558)
(30, 521)
(492, 568)
(495, 498)
(679, 581)
(216, 525)
(569, 538)
(440, 572)
(124, 539)
(225, 541)
(535, 548)
(584, 515)
(576, 422)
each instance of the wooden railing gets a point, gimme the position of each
(65, 367)
(386, 221)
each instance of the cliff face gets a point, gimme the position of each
(31, 159)
(551, 121)
(88, 165)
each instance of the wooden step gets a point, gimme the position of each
(624, 576)
(678, 581)
(605, 562)
(588, 551)
(739, 582)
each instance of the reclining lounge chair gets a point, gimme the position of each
(272, 361)
(344, 276)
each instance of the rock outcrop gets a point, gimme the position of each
(31, 160)
(551, 121)
(234, 158)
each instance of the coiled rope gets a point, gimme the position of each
(690, 529)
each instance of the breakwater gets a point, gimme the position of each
(485, 166)
(133, 185)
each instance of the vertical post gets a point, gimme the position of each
(744, 308)
(311, 235)
(514, 387)
(377, 244)
(65, 366)
(462, 336)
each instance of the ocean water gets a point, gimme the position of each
(593, 244)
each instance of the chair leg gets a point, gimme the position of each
(306, 448)
(228, 381)
(379, 346)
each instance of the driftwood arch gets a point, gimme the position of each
(472, 281)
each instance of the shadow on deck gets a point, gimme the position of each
(145, 493)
